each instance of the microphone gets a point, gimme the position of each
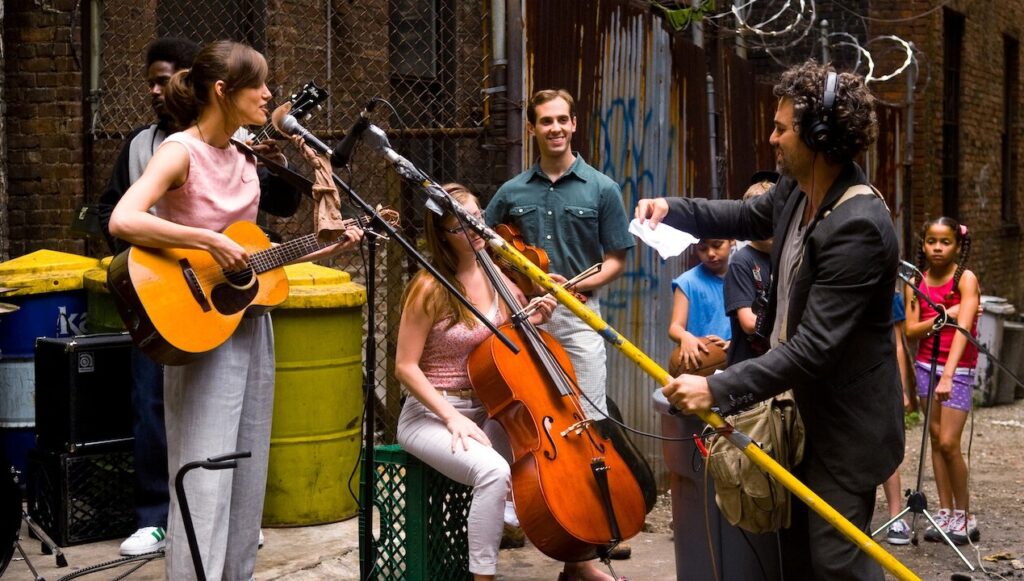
(344, 151)
(289, 125)
(906, 270)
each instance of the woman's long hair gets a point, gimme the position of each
(440, 303)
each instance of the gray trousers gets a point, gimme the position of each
(814, 549)
(587, 353)
(219, 404)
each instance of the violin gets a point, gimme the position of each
(534, 254)
(575, 495)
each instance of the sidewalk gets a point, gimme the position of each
(332, 552)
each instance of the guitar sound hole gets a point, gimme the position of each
(240, 279)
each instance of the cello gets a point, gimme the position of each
(574, 494)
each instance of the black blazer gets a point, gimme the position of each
(840, 359)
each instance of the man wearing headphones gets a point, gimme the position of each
(835, 259)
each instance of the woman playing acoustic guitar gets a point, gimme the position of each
(444, 424)
(198, 184)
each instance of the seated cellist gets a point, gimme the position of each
(444, 424)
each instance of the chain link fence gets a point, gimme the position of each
(428, 59)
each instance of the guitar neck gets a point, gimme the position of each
(294, 249)
(265, 132)
(287, 252)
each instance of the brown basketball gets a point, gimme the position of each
(710, 362)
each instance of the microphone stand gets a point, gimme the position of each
(917, 502)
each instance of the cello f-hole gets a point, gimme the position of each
(547, 422)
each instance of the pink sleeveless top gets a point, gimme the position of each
(222, 187)
(924, 353)
(446, 351)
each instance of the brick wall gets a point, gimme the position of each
(996, 251)
(44, 125)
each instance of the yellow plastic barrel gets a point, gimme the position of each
(316, 435)
(103, 315)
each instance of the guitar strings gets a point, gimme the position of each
(269, 258)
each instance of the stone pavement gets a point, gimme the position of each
(332, 552)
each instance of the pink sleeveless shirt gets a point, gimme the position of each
(222, 187)
(446, 351)
(938, 295)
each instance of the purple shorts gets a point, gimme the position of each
(963, 382)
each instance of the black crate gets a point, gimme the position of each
(84, 497)
(83, 390)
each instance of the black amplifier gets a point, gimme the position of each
(83, 391)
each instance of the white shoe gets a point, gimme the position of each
(260, 545)
(145, 540)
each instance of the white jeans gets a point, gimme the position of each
(424, 435)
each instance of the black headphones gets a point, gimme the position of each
(819, 134)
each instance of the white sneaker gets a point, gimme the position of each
(260, 545)
(145, 540)
(943, 519)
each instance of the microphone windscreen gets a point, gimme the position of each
(277, 118)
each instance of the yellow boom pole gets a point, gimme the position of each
(741, 441)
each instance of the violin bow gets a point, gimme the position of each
(594, 269)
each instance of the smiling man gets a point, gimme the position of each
(575, 214)
(834, 262)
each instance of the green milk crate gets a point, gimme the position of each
(422, 516)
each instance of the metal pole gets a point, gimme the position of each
(741, 42)
(904, 206)
(716, 190)
(696, 26)
(824, 42)
(740, 440)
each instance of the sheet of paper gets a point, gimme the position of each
(665, 239)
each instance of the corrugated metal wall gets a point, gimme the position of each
(642, 104)
(641, 119)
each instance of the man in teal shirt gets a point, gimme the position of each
(575, 213)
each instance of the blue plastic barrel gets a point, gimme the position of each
(47, 288)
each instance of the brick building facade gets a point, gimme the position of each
(967, 142)
(53, 165)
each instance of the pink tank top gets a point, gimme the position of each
(447, 350)
(222, 187)
(938, 296)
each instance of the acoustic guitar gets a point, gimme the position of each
(179, 303)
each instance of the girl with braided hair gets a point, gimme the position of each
(943, 256)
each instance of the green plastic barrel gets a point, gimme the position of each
(316, 435)
(103, 315)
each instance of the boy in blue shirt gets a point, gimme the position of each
(698, 308)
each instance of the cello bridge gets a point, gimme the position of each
(579, 427)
